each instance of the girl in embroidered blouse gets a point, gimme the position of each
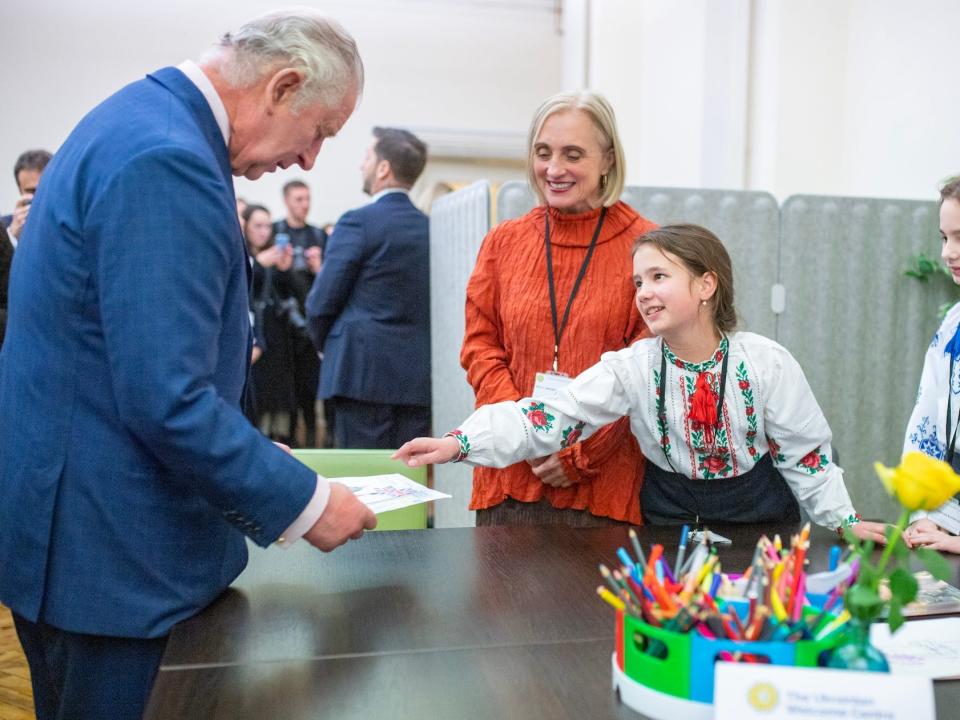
(728, 424)
(933, 423)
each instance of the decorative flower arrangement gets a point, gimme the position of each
(920, 482)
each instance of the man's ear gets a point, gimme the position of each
(283, 86)
(384, 169)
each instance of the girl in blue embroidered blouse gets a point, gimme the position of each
(725, 419)
(933, 424)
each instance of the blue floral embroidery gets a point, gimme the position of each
(925, 439)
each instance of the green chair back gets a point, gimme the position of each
(358, 463)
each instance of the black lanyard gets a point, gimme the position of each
(951, 441)
(558, 328)
(662, 396)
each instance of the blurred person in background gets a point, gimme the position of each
(369, 309)
(271, 300)
(307, 243)
(26, 172)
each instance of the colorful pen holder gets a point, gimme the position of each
(680, 683)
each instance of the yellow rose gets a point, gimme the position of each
(920, 482)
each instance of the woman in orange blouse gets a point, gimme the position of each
(517, 330)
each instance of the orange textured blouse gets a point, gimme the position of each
(509, 338)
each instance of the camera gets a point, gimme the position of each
(290, 310)
(282, 240)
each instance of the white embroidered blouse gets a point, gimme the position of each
(927, 428)
(767, 407)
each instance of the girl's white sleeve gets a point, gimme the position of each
(801, 449)
(504, 433)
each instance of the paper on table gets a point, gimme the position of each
(381, 493)
(929, 648)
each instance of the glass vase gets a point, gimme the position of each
(856, 651)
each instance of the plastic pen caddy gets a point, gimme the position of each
(679, 686)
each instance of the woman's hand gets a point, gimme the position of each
(871, 531)
(550, 471)
(427, 451)
(935, 539)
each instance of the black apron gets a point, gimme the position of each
(759, 495)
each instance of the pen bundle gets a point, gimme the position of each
(774, 600)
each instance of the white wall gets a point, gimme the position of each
(466, 65)
(847, 97)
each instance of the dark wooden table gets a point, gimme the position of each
(439, 624)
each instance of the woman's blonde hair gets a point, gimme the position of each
(601, 113)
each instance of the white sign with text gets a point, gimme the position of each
(770, 692)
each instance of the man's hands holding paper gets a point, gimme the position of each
(344, 518)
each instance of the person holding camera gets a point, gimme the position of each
(307, 243)
(275, 315)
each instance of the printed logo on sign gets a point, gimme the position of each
(763, 697)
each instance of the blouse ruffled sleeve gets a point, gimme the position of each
(504, 433)
(800, 446)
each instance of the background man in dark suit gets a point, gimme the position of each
(369, 308)
(128, 473)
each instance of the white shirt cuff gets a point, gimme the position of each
(308, 518)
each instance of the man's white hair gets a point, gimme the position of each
(300, 38)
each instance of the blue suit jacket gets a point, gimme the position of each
(128, 473)
(369, 308)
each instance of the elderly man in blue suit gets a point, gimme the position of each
(128, 473)
(369, 307)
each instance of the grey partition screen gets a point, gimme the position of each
(458, 224)
(856, 324)
(748, 223)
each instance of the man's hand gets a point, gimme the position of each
(344, 518)
(314, 259)
(550, 471)
(20, 211)
(426, 451)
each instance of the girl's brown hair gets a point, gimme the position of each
(701, 252)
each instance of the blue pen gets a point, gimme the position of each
(658, 568)
(715, 585)
(625, 559)
(684, 532)
(834, 557)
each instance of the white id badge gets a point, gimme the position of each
(947, 516)
(548, 385)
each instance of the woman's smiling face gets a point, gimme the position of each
(568, 160)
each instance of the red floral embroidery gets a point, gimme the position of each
(749, 411)
(572, 434)
(744, 384)
(539, 417)
(714, 463)
(813, 462)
